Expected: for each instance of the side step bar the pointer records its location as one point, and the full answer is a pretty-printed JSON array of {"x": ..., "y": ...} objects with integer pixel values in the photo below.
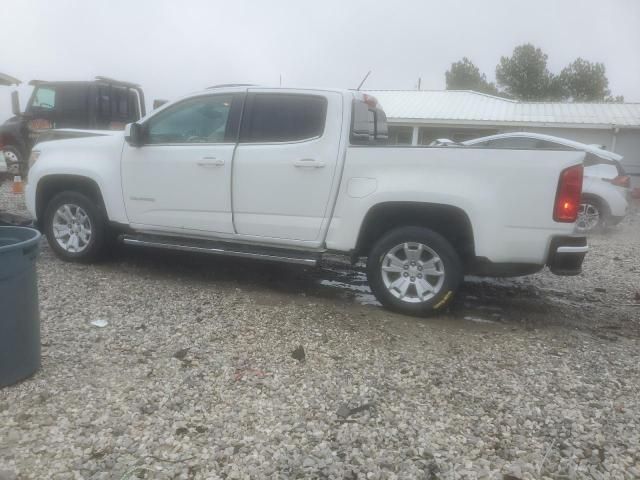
[{"x": 223, "y": 248}]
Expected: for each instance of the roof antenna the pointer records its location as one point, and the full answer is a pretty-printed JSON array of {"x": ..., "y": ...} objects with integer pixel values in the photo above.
[
  {"x": 280, "y": 80},
  {"x": 364, "y": 80}
]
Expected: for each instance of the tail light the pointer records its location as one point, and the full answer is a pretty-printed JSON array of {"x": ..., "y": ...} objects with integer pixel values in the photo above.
[
  {"x": 568, "y": 195},
  {"x": 620, "y": 181}
]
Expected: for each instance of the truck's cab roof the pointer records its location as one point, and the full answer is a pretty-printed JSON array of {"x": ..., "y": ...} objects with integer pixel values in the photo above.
[
  {"x": 243, "y": 87},
  {"x": 246, "y": 87},
  {"x": 108, "y": 80}
]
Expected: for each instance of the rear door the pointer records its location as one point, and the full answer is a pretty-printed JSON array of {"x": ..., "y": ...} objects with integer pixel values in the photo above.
[{"x": 285, "y": 163}]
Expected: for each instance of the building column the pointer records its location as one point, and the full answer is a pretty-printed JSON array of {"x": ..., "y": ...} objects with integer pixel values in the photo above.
[{"x": 414, "y": 136}]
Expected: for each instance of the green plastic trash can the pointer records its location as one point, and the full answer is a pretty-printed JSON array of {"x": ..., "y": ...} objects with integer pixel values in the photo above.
[{"x": 19, "y": 312}]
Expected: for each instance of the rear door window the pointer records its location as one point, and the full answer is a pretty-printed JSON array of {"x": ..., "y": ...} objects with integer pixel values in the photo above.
[
  {"x": 283, "y": 118},
  {"x": 71, "y": 107},
  {"x": 116, "y": 106}
]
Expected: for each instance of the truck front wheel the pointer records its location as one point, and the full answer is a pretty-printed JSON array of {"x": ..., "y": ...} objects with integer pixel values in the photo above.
[
  {"x": 414, "y": 270},
  {"x": 75, "y": 227},
  {"x": 13, "y": 158}
]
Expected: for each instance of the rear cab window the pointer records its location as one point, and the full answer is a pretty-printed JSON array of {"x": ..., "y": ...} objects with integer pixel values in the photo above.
[{"x": 283, "y": 117}]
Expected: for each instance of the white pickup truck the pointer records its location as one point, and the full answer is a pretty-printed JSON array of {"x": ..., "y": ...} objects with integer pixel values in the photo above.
[{"x": 302, "y": 175}]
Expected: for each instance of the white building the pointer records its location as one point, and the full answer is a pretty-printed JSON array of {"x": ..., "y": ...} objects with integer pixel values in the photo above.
[{"x": 419, "y": 117}]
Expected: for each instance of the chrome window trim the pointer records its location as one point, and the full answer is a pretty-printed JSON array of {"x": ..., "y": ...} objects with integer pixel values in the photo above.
[
  {"x": 186, "y": 144},
  {"x": 292, "y": 142}
]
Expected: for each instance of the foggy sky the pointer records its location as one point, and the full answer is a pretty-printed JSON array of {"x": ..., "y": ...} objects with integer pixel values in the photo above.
[{"x": 175, "y": 47}]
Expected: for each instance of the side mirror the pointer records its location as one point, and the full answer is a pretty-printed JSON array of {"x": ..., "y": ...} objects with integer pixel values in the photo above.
[
  {"x": 15, "y": 103},
  {"x": 134, "y": 135},
  {"x": 158, "y": 102}
]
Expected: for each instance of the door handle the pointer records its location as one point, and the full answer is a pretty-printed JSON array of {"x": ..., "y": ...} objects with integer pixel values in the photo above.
[
  {"x": 208, "y": 162},
  {"x": 308, "y": 163}
]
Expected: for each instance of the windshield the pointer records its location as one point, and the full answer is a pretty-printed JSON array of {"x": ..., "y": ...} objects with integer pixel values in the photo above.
[
  {"x": 43, "y": 98},
  {"x": 65, "y": 105}
]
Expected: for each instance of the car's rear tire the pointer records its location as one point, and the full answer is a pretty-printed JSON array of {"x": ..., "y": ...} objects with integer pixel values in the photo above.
[
  {"x": 76, "y": 227},
  {"x": 592, "y": 215},
  {"x": 414, "y": 270}
]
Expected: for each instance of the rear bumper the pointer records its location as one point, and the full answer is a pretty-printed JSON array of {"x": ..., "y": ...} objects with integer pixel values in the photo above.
[{"x": 566, "y": 254}]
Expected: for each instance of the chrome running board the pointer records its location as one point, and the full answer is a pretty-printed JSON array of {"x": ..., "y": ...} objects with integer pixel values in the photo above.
[{"x": 222, "y": 248}]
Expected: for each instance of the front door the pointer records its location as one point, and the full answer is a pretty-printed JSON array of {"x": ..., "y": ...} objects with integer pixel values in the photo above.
[
  {"x": 285, "y": 164},
  {"x": 180, "y": 178}
]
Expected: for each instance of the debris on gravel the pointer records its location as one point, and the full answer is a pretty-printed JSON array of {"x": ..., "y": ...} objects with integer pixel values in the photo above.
[
  {"x": 197, "y": 374},
  {"x": 299, "y": 354}
]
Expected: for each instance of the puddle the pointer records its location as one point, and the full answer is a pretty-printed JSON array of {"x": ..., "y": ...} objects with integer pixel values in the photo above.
[{"x": 480, "y": 300}]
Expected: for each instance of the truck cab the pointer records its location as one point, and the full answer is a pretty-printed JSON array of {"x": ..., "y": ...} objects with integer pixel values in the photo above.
[{"x": 102, "y": 104}]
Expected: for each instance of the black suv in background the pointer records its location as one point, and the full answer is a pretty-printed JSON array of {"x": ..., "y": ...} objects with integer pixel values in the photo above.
[{"x": 102, "y": 104}]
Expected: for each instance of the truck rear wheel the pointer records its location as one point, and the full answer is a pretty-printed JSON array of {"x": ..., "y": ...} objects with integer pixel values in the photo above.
[
  {"x": 414, "y": 270},
  {"x": 75, "y": 227}
]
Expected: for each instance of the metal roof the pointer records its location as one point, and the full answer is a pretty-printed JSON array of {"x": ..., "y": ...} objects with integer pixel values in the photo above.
[{"x": 473, "y": 108}]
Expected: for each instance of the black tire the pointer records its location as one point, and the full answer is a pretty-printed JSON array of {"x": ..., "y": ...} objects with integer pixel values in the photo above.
[
  {"x": 13, "y": 157},
  {"x": 99, "y": 239},
  {"x": 450, "y": 264}
]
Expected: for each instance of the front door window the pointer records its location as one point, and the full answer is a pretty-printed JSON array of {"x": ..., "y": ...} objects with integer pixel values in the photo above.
[{"x": 198, "y": 120}]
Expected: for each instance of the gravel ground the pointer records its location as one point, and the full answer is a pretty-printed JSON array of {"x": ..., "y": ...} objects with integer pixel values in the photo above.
[{"x": 213, "y": 368}]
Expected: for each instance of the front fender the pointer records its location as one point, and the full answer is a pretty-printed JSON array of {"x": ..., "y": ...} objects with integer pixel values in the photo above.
[{"x": 94, "y": 158}]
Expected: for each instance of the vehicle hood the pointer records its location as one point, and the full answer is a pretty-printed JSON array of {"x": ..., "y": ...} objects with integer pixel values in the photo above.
[
  {"x": 78, "y": 140},
  {"x": 73, "y": 133},
  {"x": 10, "y": 122}
]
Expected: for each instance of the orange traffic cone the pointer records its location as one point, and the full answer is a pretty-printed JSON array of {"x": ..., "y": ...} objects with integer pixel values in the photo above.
[{"x": 18, "y": 186}]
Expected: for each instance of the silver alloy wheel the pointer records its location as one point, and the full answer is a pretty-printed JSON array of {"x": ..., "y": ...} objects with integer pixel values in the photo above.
[
  {"x": 71, "y": 228},
  {"x": 588, "y": 217},
  {"x": 13, "y": 162},
  {"x": 412, "y": 272}
]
